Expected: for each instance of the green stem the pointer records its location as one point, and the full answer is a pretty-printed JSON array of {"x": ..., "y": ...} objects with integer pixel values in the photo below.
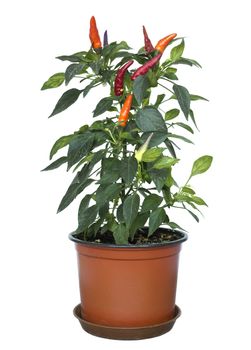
[{"x": 165, "y": 88}]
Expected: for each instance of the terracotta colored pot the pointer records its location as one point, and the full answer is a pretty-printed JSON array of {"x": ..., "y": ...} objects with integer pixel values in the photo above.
[{"x": 127, "y": 287}]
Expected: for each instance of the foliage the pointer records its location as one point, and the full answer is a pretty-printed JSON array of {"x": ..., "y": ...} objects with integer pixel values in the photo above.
[{"x": 130, "y": 167}]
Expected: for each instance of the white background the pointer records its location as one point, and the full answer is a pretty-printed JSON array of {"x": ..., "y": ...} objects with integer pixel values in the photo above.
[{"x": 39, "y": 285}]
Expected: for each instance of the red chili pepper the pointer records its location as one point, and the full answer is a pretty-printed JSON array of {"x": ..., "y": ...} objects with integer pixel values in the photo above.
[
  {"x": 119, "y": 80},
  {"x": 94, "y": 35},
  {"x": 125, "y": 110},
  {"x": 148, "y": 45},
  {"x": 145, "y": 68},
  {"x": 162, "y": 43}
]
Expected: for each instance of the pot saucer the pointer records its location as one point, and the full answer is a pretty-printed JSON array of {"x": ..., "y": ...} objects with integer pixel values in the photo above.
[{"x": 126, "y": 333}]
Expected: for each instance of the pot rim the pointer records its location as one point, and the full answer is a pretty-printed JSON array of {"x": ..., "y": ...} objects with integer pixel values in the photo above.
[{"x": 72, "y": 237}]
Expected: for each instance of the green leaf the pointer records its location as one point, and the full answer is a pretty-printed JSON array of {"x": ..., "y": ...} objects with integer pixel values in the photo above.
[
  {"x": 159, "y": 99},
  {"x": 159, "y": 177},
  {"x": 103, "y": 106},
  {"x": 138, "y": 223},
  {"x": 151, "y": 202},
  {"x": 177, "y": 51},
  {"x": 173, "y": 225},
  {"x": 150, "y": 119},
  {"x": 79, "y": 147},
  {"x": 72, "y": 70},
  {"x": 187, "y": 189},
  {"x": 179, "y": 137},
  {"x": 156, "y": 140},
  {"x": 183, "y": 98},
  {"x": 90, "y": 86},
  {"x": 87, "y": 218},
  {"x": 140, "y": 85},
  {"x": 119, "y": 215},
  {"x": 191, "y": 115},
  {"x": 152, "y": 154},
  {"x": 72, "y": 192},
  {"x": 170, "y": 148},
  {"x": 130, "y": 208},
  {"x": 185, "y": 126},
  {"x": 157, "y": 217},
  {"x": 187, "y": 61},
  {"x": 197, "y": 97},
  {"x": 105, "y": 193},
  {"x": 121, "y": 234},
  {"x": 201, "y": 165},
  {"x": 77, "y": 57},
  {"x": 57, "y": 163},
  {"x": 198, "y": 200},
  {"x": 66, "y": 100},
  {"x": 54, "y": 81},
  {"x": 173, "y": 113},
  {"x": 193, "y": 215},
  {"x": 60, "y": 143},
  {"x": 165, "y": 162},
  {"x": 84, "y": 204},
  {"x": 128, "y": 169},
  {"x": 110, "y": 170}
]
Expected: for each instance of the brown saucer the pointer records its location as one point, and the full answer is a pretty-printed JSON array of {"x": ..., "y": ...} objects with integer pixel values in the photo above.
[{"x": 126, "y": 333}]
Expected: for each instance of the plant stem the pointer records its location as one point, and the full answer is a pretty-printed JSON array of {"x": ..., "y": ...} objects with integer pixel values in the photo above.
[{"x": 166, "y": 88}]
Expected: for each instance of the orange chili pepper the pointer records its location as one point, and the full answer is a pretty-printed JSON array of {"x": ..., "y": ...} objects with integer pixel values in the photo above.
[
  {"x": 162, "y": 43},
  {"x": 125, "y": 110},
  {"x": 94, "y": 35}
]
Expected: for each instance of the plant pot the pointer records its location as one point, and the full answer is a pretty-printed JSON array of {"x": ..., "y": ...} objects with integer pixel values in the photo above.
[{"x": 127, "y": 292}]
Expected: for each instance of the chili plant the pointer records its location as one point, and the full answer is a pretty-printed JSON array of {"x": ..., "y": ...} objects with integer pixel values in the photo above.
[{"x": 128, "y": 153}]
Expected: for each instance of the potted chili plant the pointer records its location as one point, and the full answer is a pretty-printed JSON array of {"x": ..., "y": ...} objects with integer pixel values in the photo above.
[{"x": 127, "y": 243}]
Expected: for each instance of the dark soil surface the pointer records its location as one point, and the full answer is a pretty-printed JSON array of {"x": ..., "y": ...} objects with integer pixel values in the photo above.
[{"x": 162, "y": 235}]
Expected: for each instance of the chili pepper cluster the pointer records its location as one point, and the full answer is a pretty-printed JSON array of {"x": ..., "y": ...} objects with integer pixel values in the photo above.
[{"x": 142, "y": 70}]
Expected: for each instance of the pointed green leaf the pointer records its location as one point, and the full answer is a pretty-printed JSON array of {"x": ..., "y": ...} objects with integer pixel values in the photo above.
[
  {"x": 187, "y": 189},
  {"x": 157, "y": 217},
  {"x": 57, "y": 163},
  {"x": 151, "y": 202},
  {"x": 79, "y": 147},
  {"x": 150, "y": 119},
  {"x": 159, "y": 99},
  {"x": 152, "y": 154},
  {"x": 54, "y": 81},
  {"x": 173, "y": 113},
  {"x": 130, "y": 209},
  {"x": 128, "y": 169},
  {"x": 84, "y": 204},
  {"x": 197, "y": 97},
  {"x": 138, "y": 223},
  {"x": 66, "y": 100},
  {"x": 186, "y": 127},
  {"x": 60, "y": 143},
  {"x": 140, "y": 85},
  {"x": 165, "y": 162},
  {"x": 159, "y": 177},
  {"x": 106, "y": 193},
  {"x": 103, "y": 106},
  {"x": 72, "y": 192},
  {"x": 87, "y": 218},
  {"x": 201, "y": 165},
  {"x": 177, "y": 51},
  {"x": 72, "y": 70},
  {"x": 179, "y": 137},
  {"x": 183, "y": 98},
  {"x": 121, "y": 234}
]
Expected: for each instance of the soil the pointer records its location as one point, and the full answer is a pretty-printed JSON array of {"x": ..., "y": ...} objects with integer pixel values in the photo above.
[{"x": 162, "y": 235}]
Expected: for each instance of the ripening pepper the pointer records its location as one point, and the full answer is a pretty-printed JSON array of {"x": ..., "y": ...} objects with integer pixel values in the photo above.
[
  {"x": 162, "y": 43},
  {"x": 119, "y": 80},
  {"x": 145, "y": 68},
  {"x": 140, "y": 152},
  {"x": 125, "y": 110},
  {"x": 148, "y": 45},
  {"x": 105, "y": 39},
  {"x": 94, "y": 34}
]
